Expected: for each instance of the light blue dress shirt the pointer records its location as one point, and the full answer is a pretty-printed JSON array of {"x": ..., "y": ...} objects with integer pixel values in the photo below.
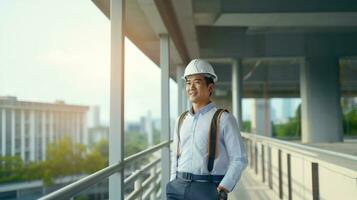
[{"x": 231, "y": 159}]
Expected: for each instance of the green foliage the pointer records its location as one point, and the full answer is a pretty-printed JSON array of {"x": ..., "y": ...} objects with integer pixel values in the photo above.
[
  {"x": 11, "y": 168},
  {"x": 291, "y": 129},
  {"x": 93, "y": 162},
  {"x": 134, "y": 143},
  {"x": 157, "y": 136},
  {"x": 64, "y": 158},
  {"x": 350, "y": 122},
  {"x": 246, "y": 126}
]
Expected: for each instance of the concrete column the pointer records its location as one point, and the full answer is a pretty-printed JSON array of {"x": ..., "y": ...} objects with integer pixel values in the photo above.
[
  {"x": 43, "y": 134},
  {"x": 23, "y": 135},
  {"x": 180, "y": 88},
  {"x": 321, "y": 115},
  {"x": 32, "y": 135},
  {"x": 165, "y": 111},
  {"x": 261, "y": 118},
  {"x": 13, "y": 132},
  {"x": 3, "y": 132},
  {"x": 116, "y": 126},
  {"x": 237, "y": 91}
]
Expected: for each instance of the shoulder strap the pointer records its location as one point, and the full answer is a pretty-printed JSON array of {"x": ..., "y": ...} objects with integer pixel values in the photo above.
[
  {"x": 213, "y": 138},
  {"x": 181, "y": 118}
]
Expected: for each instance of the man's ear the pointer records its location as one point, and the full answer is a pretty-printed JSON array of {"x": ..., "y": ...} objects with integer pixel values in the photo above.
[{"x": 211, "y": 87}]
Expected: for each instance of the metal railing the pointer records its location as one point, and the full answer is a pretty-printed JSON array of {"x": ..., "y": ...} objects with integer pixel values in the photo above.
[
  {"x": 152, "y": 182},
  {"x": 297, "y": 171}
]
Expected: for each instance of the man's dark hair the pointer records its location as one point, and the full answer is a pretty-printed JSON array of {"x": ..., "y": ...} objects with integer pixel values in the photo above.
[{"x": 209, "y": 80}]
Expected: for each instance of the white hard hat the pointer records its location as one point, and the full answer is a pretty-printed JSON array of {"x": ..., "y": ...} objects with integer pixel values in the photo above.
[{"x": 199, "y": 66}]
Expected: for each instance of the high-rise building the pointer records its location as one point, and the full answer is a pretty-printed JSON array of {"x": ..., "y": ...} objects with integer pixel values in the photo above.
[
  {"x": 94, "y": 117},
  {"x": 27, "y": 127}
]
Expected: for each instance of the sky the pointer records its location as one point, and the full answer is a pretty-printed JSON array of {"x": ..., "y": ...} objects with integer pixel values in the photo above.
[{"x": 60, "y": 50}]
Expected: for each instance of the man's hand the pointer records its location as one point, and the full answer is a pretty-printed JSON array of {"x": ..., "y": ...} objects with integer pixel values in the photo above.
[
  {"x": 220, "y": 188},
  {"x": 222, "y": 192}
]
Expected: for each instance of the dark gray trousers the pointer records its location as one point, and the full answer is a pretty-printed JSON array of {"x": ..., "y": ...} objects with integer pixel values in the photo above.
[{"x": 180, "y": 189}]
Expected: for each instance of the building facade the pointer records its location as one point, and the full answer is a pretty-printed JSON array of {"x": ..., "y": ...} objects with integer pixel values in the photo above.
[{"x": 26, "y": 128}]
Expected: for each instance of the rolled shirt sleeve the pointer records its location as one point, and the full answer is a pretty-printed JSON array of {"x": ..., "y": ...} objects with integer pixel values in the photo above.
[{"x": 236, "y": 153}]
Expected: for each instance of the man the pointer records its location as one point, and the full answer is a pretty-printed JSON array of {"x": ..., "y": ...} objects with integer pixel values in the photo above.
[{"x": 195, "y": 175}]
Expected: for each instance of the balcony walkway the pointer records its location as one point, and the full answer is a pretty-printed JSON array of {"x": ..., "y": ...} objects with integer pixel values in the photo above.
[{"x": 251, "y": 188}]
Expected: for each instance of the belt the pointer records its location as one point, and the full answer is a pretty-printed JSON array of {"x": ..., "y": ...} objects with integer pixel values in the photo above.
[{"x": 194, "y": 177}]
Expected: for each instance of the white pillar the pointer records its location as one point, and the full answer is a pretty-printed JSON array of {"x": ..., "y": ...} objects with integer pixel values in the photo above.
[
  {"x": 237, "y": 91},
  {"x": 32, "y": 135},
  {"x": 3, "y": 132},
  {"x": 116, "y": 129},
  {"x": 165, "y": 111},
  {"x": 261, "y": 118},
  {"x": 51, "y": 125},
  {"x": 180, "y": 88},
  {"x": 43, "y": 134},
  {"x": 12, "y": 132},
  {"x": 321, "y": 115},
  {"x": 23, "y": 135}
]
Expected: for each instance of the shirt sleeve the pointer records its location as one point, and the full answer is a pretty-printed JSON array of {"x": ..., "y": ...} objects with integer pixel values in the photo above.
[
  {"x": 174, "y": 153},
  {"x": 236, "y": 152}
]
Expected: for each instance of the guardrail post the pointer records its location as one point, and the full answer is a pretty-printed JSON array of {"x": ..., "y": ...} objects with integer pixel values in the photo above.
[
  {"x": 153, "y": 184},
  {"x": 137, "y": 186},
  {"x": 315, "y": 181},
  {"x": 270, "y": 173},
  {"x": 250, "y": 154},
  {"x": 263, "y": 163},
  {"x": 289, "y": 176},
  {"x": 280, "y": 175},
  {"x": 256, "y": 158}
]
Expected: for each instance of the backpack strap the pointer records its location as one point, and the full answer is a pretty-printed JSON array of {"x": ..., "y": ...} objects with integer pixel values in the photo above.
[
  {"x": 213, "y": 138},
  {"x": 181, "y": 118}
]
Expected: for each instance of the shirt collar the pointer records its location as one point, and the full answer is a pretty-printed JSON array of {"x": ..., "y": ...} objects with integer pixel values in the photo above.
[{"x": 203, "y": 110}]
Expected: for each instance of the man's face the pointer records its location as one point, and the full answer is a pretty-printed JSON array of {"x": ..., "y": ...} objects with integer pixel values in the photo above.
[{"x": 197, "y": 89}]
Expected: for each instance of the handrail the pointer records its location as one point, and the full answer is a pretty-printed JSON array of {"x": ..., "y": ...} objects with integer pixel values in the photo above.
[
  {"x": 284, "y": 163},
  {"x": 146, "y": 152},
  {"x": 299, "y": 147},
  {"x": 133, "y": 176},
  {"x": 84, "y": 183}
]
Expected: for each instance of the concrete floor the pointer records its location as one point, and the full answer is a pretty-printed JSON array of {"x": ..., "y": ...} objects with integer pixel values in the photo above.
[
  {"x": 349, "y": 146},
  {"x": 251, "y": 188}
]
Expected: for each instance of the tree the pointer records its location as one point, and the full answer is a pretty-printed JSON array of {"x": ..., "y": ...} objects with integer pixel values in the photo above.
[
  {"x": 291, "y": 129},
  {"x": 63, "y": 158}
]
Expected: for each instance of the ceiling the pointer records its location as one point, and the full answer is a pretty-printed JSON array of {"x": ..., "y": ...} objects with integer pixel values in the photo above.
[{"x": 270, "y": 38}]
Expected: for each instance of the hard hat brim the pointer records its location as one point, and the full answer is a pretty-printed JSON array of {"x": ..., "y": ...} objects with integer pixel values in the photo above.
[{"x": 215, "y": 79}]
